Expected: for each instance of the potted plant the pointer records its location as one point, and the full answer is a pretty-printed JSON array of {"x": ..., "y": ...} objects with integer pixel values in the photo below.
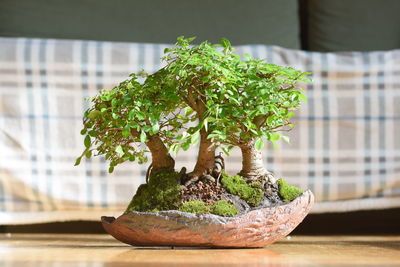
[{"x": 205, "y": 95}]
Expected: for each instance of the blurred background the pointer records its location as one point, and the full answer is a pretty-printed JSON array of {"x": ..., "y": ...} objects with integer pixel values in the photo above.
[{"x": 345, "y": 147}]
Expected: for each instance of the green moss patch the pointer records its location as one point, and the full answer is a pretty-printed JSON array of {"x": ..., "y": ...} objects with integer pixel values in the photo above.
[
  {"x": 236, "y": 185},
  {"x": 288, "y": 192},
  {"x": 221, "y": 208},
  {"x": 224, "y": 208},
  {"x": 195, "y": 206},
  {"x": 161, "y": 193}
]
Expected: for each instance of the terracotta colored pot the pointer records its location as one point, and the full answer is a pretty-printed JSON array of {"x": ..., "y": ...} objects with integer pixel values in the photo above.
[{"x": 256, "y": 228}]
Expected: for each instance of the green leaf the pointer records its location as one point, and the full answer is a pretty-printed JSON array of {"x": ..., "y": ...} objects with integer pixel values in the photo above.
[
  {"x": 114, "y": 102},
  {"x": 93, "y": 133},
  {"x": 131, "y": 114},
  {"x": 174, "y": 148},
  {"x": 286, "y": 138},
  {"x": 194, "y": 139},
  {"x": 275, "y": 137},
  {"x": 225, "y": 42},
  {"x": 83, "y": 131},
  {"x": 106, "y": 97},
  {"x": 259, "y": 144},
  {"x": 94, "y": 114},
  {"x": 126, "y": 132},
  {"x": 206, "y": 125},
  {"x": 181, "y": 136},
  {"x": 129, "y": 85},
  {"x": 119, "y": 150},
  {"x": 185, "y": 146},
  {"x": 88, "y": 154},
  {"x": 188, "y": 111},
  {"x": 290, "y": 114},
  {"x": 87, "y": 141},
  {"x": 78, "y": 161},
  {"x": 140, "y": 115},
  {"x": 155, "y": 127},
  {"x": 275, "y": 144},
  {"x": 225, "y": 150},
  {"x": 271, "y": 119},
  {"x": 110, "y": 170},
  {"x": 303, "y": 97},
  {"x": 232, "y": 99},
  {"x": 143, "y": 137}
]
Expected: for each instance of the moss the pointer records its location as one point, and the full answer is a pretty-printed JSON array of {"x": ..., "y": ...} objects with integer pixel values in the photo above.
[
  {"x": 256, "y": 185},
  {"x": 224, "y": 208},
  {"x": 288, "y": 192},
  {"x": 221, "y": 207},
  {"x": 195, "y": 206},
  {"x": 161, "y": 193},
  {"x": 154, "y": 210},
  {"x": 236, "y": 185}
]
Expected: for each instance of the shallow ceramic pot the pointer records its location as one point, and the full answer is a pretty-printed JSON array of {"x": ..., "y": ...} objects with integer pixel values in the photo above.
[{"x": 256, "y": 228}]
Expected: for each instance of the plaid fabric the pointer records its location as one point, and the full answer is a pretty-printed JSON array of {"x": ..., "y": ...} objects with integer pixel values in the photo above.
[{"x": 345, "y": 147}]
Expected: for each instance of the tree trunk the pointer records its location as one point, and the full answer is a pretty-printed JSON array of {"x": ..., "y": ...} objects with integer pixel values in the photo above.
[
  {"x": 160, "y": 156},
  {"x": 206, "y": 156},
  {"x": 252, "y": 161}
]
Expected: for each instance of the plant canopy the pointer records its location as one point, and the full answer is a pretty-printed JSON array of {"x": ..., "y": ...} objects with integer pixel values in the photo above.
[{"x": 205, "y": 94}]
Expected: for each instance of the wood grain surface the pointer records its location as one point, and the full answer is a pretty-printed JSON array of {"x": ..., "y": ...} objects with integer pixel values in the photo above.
[{"x": 103, "y": 250}]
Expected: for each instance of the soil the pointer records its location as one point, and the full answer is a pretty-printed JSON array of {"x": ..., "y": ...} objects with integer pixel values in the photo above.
[{"x": 207, "y": 191}]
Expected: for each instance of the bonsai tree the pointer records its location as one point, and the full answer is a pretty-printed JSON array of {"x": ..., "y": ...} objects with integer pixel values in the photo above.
[{"x": 206, "y": 95}]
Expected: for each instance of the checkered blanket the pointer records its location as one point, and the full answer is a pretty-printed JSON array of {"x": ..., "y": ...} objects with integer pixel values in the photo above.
[{"x": 345, "y": 147}]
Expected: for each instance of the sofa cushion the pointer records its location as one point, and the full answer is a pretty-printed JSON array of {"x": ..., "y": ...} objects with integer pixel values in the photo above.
[
  {"x": 272, "y": 22},
  {"x": 356, "y": 25},
  {"x": 345, "y": 145}
]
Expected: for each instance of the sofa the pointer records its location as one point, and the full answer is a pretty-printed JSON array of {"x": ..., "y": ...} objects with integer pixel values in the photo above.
[{"x": 54, "y": 54}]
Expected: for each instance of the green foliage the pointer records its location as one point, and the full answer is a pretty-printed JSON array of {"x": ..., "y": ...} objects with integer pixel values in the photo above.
[
  {"x": 240, "y": 99},
  {"x": 224, "y": 208},
  {"x": 236, "y": 185},
  {"x": 233, "y": 99},
  {"x": 161, "y": 193},
  {"x": 195, "y": 206},
  {"x": 288, "y": 192},
  {"x": 122, "y": 118}
]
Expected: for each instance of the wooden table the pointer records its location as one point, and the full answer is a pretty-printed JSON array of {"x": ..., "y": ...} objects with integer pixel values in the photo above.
[{"x": 102, "y": 250}]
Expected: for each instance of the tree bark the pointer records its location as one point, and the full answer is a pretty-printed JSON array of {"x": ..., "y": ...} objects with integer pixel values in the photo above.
[
  {"x": 206, "y": 156},
  {"x": 252, "y": 161},
  {"x": 160, "y": 157}
]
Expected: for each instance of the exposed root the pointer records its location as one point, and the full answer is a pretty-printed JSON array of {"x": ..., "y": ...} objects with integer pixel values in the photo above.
[
  {"x": 264, "y": 178},
  {"x": 182, "y": 175},
  {"x": 271, "y": 178},
  {"x": 208, "y": 178},
  {"x": 192, "y": 179},
  {"x": 148, "y": 172},
  {"x": 219, "y": 160},
  {"x": 213, "y": 174}
]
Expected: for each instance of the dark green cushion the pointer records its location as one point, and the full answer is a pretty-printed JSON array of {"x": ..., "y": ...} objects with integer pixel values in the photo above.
[
  {"x": 353, "y": 25},
  {"x": 160, "y": 21}
]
